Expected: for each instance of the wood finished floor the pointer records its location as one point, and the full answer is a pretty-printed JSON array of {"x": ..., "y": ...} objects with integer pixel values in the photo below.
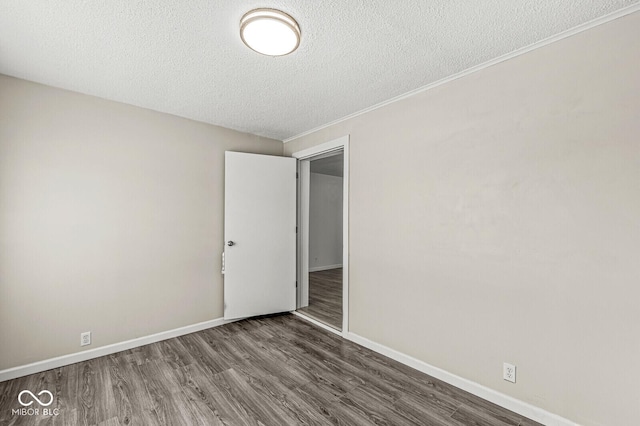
[
  {"x": 276, "y": 370},
  {"x": 325, "y": 297}
]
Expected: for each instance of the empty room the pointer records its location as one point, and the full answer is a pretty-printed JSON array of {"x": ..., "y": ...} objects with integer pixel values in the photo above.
[{"x": 320, "y": 213}]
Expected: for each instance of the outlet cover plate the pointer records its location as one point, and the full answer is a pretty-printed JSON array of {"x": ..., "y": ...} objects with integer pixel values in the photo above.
[
  {"x": 509, "y": 372},
  {"x": 85, "y": 338}
]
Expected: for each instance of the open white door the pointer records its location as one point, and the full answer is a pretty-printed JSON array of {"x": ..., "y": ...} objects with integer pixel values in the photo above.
[{"x": 260, "y": 235}]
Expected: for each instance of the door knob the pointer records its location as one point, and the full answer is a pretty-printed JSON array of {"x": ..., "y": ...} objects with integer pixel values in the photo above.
[{"x": 230, "y": 243}]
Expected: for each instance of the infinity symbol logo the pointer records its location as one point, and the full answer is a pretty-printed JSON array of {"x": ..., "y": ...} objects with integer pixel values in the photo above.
[{"x": 35, "y": 397}]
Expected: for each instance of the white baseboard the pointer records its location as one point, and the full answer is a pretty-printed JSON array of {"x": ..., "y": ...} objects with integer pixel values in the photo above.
[
  {"x": 61, "y": 361},
  {"x": 530, "y": 411},
  {"x": 325, "y": 268}
]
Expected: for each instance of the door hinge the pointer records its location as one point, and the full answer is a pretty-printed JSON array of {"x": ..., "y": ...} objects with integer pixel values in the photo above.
[
  {"x": 296, "y": 175},
  {"x": 296, "y": 229},
  {"x": 296, "y": 284}
]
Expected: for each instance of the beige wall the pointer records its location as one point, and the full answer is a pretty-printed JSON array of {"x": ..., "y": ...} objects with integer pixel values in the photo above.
[
  {"x": 497, "y": 218},
  {"x": 111, "y": 220},
  {"x": 325, "y": 221}
]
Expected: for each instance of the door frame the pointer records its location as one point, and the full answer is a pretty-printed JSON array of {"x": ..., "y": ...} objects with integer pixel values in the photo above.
[{"x": 341, "y": 143}]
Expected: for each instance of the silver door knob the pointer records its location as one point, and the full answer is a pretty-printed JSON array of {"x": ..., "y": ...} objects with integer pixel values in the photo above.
[{"x": 230, "y": 243}]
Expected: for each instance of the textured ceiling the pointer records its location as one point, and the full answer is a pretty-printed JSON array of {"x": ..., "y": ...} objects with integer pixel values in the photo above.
[{"x": 186, "y": 57}]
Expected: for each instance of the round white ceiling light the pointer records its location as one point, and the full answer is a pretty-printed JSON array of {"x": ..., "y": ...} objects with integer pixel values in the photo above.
[{"x": 270, "y": 32}]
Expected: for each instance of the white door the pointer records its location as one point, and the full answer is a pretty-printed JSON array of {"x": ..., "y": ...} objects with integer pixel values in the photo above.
[{"x": 260, "y": 235}]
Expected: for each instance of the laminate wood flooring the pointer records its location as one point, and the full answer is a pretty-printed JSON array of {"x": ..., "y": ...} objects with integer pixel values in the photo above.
[
  {"x": 325, "y": 297},
  {"x": 277, "y": 370}
]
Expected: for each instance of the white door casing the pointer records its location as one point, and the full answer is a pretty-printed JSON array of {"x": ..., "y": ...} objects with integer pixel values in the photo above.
[
  {"x": 260, "y": 235},
  {"x": 303, "y": 223}
]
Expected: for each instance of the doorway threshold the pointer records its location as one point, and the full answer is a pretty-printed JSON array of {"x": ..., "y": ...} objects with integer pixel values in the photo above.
[{"x": 318, "y": 323}]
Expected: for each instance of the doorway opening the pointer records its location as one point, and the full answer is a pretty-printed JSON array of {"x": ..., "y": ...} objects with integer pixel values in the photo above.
[
  {"x": 325, "y": 240},
  {"x": 322, "y": 241}
]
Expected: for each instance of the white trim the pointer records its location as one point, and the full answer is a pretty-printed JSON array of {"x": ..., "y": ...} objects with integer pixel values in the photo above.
[
  {"x": 333, "y": 145},
  {"x": 304, "y": 182},
  {"x": 317, "y": 323},
  {"x": 567, "y": 33},
  {"x": 325, "y": 268},
  {"x": 530, "y": 411},
  {"x": 345, "y": 236},
  {"x": 61, "y": 361}
]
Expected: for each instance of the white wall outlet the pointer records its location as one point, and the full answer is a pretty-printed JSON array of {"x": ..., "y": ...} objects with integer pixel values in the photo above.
[
  {"x": 509, "y": 372},
  {"x": 85, "y": 338}
]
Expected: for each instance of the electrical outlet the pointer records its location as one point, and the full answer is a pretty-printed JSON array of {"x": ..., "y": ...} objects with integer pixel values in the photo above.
[
  {"x": 85, "y": 338},
  {"x": 509, "y": 372}
]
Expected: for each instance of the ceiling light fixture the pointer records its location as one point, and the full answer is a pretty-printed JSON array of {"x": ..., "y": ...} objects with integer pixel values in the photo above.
[{"x": 270, "y": 32}]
